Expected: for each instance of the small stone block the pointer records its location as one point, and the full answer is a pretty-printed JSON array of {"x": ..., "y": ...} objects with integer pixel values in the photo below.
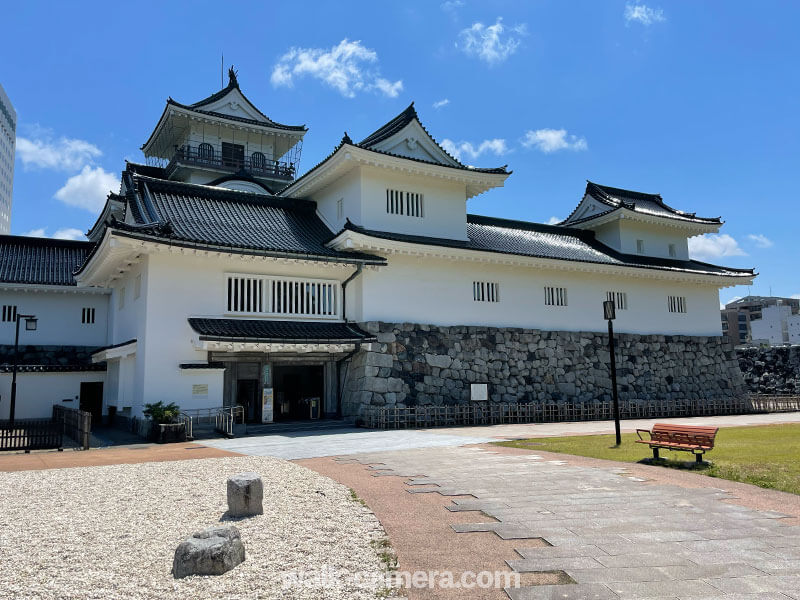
[{"x": 245, "y": 495}]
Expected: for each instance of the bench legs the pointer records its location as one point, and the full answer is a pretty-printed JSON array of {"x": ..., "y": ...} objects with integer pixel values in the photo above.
[
  {"x": 655, "y": 453},
  {"x": 698, "y": 457}
]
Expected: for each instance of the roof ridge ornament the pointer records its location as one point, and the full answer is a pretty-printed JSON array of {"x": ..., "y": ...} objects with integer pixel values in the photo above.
[
  {"x": 233, "y": 80},
  {"x": 346, "y": 139}
]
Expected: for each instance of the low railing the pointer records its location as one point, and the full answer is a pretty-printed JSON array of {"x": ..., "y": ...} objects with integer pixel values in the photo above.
[
  {"x": 776, "y": 402},
  {"x": 257, "y": 166},
  {"x": 227, "y": 417},
  {"x": 491, "y": 413},
  {"x": 187, "y": 421},
  {"x": 31, "y": 434},
  {"x": 75, "y": 424}
]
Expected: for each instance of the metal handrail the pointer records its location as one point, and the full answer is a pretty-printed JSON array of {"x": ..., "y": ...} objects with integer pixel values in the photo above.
[
  {"x": 258, "y": 166},
  {"x": 187, "y": 419}
]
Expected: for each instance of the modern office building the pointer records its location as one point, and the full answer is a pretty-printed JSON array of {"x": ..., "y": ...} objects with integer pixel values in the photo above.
[
  {"x": 738, "y": 315},
  {"x": 8, "y": 139}
]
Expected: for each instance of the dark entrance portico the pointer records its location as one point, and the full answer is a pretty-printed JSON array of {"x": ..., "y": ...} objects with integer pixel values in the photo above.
[{"x": 280, "y": 370}]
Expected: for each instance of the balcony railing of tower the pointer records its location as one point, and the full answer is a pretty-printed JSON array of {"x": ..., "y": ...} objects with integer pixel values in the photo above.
[{"x": 257, "y": 163}]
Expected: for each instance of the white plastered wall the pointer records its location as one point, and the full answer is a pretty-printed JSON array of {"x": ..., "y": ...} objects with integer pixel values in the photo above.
[
  {"x": 439, "y": 292},
  {"x": 38, "y": 392},
  {"x": 623, "y": 234}
]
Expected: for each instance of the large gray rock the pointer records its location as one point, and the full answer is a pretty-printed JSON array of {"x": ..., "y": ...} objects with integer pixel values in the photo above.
[
  {"x": 245, "y": 494},
  {"x": 213, "y": 551}
]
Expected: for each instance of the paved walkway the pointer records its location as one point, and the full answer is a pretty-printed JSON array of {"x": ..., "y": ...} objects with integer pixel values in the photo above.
[
  {"x": 614, "y": 535},
  {"x": 341, "y": 441}
]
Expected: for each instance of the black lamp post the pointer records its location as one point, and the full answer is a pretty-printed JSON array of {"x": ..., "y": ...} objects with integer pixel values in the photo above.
[
  {"x": 610, "y": 313},
  {"x": 30, "y": 325}
]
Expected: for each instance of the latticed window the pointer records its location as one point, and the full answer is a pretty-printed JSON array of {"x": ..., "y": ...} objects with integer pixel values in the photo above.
[
  {"x": 485, "y": 291},
  {"x": 284, "y": 296},
  {"x": 87, "y": 316},
  {"x": 676, "y": 304},
  {"x": 9, "y": 312},
  {"x": 555, "y": 296},
  {"x": 205, "y": 151},
  {"x": 620, "y": 299},
  {"x": 258, "y": 161},
  {"x": 404, "y": 203}
]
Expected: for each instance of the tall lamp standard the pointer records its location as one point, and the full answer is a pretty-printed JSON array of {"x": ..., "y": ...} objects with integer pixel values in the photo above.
[
  {"x": 609, "y": 313},
  {"x": 30, "y": 325}
]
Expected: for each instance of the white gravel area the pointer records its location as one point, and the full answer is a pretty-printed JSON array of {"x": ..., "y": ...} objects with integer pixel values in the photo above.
[{"x": 111, "y": 532}]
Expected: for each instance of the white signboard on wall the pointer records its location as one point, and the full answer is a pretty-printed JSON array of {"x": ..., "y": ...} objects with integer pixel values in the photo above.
[
  {"x": 267, "y": 405},
  {"x": 479, "y": 392}
]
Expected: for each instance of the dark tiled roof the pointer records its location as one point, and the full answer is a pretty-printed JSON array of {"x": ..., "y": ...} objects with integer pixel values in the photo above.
[
  {"x": 651, "y": 204},
  {"x": 521, "y": 238},
  {"x": 40, "y": 261},
  {"x": 265, "y": 331},
  {"x": 397, "y": 124},
  {"x": 35, "y": 359},
  {"x": 199, "y": 215}
]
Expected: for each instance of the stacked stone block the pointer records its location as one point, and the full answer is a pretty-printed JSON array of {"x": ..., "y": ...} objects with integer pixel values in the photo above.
[{"x": 417, "y": 364}]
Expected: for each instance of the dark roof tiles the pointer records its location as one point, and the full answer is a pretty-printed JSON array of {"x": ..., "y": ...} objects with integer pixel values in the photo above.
[
  {"x": 265, "y": 331},
  {"x": 40, "y": 261}
]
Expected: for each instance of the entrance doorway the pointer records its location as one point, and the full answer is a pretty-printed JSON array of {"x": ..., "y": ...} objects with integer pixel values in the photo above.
[
  {"x": 299, "y": 392},
  {"x": 91, "y": 400},
  {"x": 247, "y": 396}
]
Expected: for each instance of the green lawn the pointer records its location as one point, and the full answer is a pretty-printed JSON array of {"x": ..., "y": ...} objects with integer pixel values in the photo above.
[{"x": 767, "y": 456}]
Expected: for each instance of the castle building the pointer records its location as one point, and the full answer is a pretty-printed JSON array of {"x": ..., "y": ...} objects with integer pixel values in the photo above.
[{"x": 221, "y": 278}]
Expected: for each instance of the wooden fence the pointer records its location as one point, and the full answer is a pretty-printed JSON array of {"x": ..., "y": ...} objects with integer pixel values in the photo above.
[
  {"x": 30, "y": 434},
  {"x": 75, "y": 424},
  {"x": 489, "y": 413}
]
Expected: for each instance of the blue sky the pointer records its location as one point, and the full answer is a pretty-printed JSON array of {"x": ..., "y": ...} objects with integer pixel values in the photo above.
[{"x": 693, "y": 100}]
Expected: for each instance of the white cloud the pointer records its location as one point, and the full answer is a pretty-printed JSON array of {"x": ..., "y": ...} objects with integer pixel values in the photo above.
[
  {"x": 441, "y": 103},
  {"x": 63, "y": 153},
  {"x": 797, "y": 296},
  {"x": 495, "y": 146},
  {"x": 554, "y": 221},
  {"x": 643, "y": 14},
  {"x": 88, "y": 189},
  {"x": 492, "y": 44},
  {"x": 451, "y": 5},
  {"x": 553, "y": 140},
  {"x": 68, "y": 233},
  {"x": 760, "y": 240},
  {"x": 712, "y": 246},
  {"x": 734, "y": 299},
  {"x": 348, "y": 67}
]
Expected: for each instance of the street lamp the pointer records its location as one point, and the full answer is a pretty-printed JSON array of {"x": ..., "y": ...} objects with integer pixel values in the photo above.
[
  {"x": 609, "y": 313},
  {"x": 30, "y": 325}
]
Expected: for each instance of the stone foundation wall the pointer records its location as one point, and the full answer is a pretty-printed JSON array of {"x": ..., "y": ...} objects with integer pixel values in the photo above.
[
  {"x": 771, "y": 370},
  {"x": 413, "y": 364}
]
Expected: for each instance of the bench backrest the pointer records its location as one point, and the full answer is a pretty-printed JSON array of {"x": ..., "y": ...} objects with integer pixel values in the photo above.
[{"x": 693, "y": 435}]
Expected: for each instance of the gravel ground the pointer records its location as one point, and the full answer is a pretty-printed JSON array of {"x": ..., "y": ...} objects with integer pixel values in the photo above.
[{"x": 111, "y": 532}]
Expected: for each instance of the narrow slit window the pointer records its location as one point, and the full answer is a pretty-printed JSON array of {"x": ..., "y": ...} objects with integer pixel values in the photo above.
[
  {"x": 485, "y": 291},
  {"x": 9, "y": 313},
  {"x": 87, "y": 316},
  {"x": 555, "y": 296},
  {"x": 676, "y": 304},
  {"x": 408, "y": 204}
]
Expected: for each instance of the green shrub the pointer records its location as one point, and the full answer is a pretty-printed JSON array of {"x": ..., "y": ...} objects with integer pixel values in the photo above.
[{"x": 162, "y": 413}]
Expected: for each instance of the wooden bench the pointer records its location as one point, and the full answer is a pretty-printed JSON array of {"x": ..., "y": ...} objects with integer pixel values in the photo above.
[{"x": 688, "y": 438}]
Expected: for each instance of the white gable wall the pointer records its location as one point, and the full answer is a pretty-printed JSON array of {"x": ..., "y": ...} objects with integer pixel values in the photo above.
[
  {"x": 439, "y": 292},
  {"x": 623, "y": 234}
]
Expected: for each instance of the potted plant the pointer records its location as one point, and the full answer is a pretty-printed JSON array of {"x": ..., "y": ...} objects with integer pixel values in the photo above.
[{"x": 166, "y": 424}]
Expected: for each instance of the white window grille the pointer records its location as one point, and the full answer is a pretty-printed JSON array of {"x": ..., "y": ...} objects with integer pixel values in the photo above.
[
  {"x": 340, "y": 209},
  {"x": 672, "y": 251},
  {"x": 404, "y": 203},
  {"x": 555, "y": 296},
  {"x": 640, "y": 246},
  {"x": 283, "y": 296},
  {"x": 485, "y": 291},
  {"x": 620, "y": 299},
  {"x": 121, "y": 299},
  {"x": 676, "y": 304},
  {"x": 87, "y": 316},
  {"x": 9, "y": 313}
]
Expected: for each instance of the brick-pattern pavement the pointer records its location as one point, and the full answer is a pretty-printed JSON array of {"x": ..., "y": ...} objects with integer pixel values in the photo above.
[{"x": 615, "y": 535}]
